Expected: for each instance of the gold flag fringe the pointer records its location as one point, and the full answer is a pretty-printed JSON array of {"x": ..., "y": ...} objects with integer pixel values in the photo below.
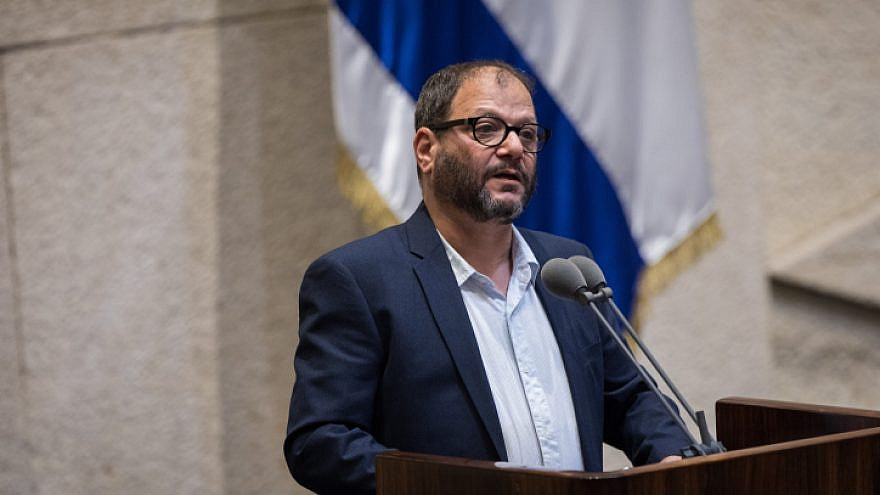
[
  {"x": 657, "y": 277},
  {"x": 359, "y": 190}
]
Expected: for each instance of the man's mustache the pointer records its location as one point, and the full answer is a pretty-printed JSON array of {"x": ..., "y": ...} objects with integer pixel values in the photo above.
[{"x": 515, "y": 169}]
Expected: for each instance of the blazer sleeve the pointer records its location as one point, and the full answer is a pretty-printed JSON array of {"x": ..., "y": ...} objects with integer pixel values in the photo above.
[{"x": 338, "y": 363}]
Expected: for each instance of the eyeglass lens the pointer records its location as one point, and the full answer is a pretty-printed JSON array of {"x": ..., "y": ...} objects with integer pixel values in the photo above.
[{"x": 491, "y": 131}]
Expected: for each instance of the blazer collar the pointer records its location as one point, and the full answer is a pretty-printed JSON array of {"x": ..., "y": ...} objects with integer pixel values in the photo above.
[{"x": 421, "y": 234}]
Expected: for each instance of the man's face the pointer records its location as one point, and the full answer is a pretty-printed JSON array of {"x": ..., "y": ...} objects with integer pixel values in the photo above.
[{"x": 487, "y": 183}]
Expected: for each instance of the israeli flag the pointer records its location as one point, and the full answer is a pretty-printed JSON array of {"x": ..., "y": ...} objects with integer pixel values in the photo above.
[{"x": 626, "y": 170}]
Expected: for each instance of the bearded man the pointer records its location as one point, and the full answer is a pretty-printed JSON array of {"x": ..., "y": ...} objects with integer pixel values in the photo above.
[{"x": 437, "y": 335}]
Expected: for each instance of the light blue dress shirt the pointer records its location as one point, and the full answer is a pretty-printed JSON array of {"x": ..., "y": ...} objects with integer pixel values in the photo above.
[{"x": 522, "y": 362}]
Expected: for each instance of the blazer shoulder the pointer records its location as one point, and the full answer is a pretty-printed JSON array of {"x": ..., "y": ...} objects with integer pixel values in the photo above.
[{"x": 382, "y": 249}]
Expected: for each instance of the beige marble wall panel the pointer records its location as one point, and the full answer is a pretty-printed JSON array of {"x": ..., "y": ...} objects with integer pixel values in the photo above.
[
  {"x": 27, "y": 21},
  {"x": 279, "y": 208},
  {"x": 241, "y": 7},
  {"x": 14, "y": 449},
  {"x": 843, "y": 263},
  {"x": 113, "y": 149},
  {"x": 820, "y": 71},
  {"x": 825, "y": 351}
]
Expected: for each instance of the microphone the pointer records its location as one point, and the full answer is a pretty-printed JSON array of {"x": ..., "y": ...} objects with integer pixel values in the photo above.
[
  {"x": 558, "y": 275},
  {"x": 589, "y": 270},
  {"x": 565, "y": 280},
  {"x": 580, "y": 278}
]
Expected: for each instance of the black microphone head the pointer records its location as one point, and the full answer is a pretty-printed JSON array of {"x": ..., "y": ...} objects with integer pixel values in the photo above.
[
  {"x": 562, "y": 278},
  {"x": 591, "y": 272}
]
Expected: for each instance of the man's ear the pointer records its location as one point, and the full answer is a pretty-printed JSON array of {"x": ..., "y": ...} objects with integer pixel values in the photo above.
[{"x": 425, "y": 145}]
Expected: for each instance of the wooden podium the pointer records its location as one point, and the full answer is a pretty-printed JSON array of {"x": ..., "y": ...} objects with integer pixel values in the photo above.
[{"x": 773, "y": 448}]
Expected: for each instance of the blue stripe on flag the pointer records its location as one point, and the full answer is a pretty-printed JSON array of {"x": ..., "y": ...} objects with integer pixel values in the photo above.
[{"x": 575, "y": 199}]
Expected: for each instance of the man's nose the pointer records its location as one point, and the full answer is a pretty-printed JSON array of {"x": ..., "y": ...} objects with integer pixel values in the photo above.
[{"x": 511, "y": 145}]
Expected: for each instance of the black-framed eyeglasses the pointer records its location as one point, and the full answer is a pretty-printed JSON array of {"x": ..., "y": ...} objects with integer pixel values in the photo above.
[{"x": 492, "y": 131}]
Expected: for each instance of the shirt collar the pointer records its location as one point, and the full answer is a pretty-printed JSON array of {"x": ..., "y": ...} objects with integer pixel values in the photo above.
[{"x": 523, "y": 259}]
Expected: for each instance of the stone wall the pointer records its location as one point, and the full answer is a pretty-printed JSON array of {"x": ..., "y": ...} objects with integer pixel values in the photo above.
[{"x": 167, "y": 175}]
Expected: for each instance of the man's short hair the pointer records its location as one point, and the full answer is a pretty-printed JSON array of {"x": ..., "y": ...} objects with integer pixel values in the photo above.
[{"x": 435, "y": 99}]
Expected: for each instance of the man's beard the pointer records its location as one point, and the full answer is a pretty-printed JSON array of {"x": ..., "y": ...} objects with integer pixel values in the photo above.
[{"x": 465, "y": 188}]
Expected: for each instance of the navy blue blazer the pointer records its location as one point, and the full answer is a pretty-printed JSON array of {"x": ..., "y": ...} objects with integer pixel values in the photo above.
[{"x": 387, "y": 359}]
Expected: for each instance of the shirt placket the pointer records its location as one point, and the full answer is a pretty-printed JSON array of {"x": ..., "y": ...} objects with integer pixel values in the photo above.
[{"x": 536, "y": 396}]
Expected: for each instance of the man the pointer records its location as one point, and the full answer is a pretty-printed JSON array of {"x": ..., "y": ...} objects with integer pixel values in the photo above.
[{"x": 437, "y": 336}]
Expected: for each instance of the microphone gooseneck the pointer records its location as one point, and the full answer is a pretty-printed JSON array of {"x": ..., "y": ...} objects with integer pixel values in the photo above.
[{"x": 579, "y": 278}]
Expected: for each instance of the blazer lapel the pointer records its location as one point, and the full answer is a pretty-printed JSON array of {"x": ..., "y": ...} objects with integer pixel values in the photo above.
[{"x": 444, "y": 298}]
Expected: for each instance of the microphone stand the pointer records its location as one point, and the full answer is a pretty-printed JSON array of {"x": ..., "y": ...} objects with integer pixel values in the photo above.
[{"x": 707, "y": 445}]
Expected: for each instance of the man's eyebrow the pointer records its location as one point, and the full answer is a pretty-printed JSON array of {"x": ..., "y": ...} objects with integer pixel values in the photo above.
[{"x": 528, "y": 119}]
